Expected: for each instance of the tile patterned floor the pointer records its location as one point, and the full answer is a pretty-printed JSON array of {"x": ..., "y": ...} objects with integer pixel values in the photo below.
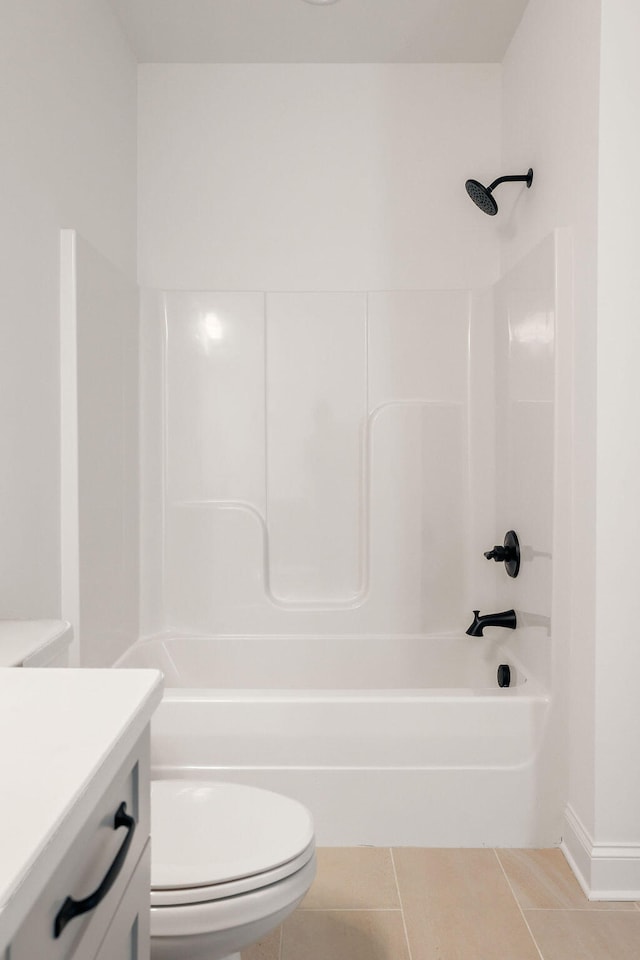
[{"x": 373, "y": 903}]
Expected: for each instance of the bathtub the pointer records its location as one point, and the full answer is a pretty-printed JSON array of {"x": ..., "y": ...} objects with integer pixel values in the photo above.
[{"x": 403, "y": 741}]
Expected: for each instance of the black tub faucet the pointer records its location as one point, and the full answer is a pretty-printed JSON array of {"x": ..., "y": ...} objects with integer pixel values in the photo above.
[{"x": 505, "y": 619}]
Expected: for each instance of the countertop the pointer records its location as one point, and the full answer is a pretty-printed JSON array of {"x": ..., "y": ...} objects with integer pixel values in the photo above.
[
  {"x": 63, "y": 735},
  {"x": 20, "y": 639}
]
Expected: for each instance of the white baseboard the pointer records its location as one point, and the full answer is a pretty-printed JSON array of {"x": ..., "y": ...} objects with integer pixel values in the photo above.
[{"x": 604, "y": 871}]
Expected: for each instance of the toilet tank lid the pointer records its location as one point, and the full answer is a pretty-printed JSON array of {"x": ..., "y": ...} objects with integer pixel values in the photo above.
[{"x": 204, "y": 832}]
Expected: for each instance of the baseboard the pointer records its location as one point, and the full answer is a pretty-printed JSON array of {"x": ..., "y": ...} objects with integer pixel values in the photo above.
[{"x": 604, "y": 871}]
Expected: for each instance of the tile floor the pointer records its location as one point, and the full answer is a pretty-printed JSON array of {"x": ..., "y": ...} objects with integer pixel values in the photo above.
[{"x": 373, "y": 903}]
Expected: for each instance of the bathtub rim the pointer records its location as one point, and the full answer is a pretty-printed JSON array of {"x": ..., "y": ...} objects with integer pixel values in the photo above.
[
  {"x": 528, "y": 686},
  {"x": 529, "y": 690}
]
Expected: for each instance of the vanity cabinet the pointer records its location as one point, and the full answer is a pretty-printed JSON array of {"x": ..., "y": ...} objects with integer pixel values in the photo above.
[
  {"x": 55, "y": 934},
  {"x": 84, "y": 895},
  {"x": 127, "y": 937}
]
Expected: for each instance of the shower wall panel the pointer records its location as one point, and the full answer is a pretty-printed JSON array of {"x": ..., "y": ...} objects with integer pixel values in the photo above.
[
  {"x": 316, "y": 401},
  {"x": 525, "y": 305},
  {"x": 215, "y": 398},
  {"x": 315, "y": 457},
  {"x": 418, "y": 517},
  {"x": 418, "y": 346}
]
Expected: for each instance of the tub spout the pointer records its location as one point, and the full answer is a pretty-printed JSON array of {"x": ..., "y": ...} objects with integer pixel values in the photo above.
[{"x": 507, "y": 618}]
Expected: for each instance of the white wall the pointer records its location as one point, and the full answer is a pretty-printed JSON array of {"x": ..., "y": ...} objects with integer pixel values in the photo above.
[
  {"x": 617, "y": 771},
  {"x": 67, "y": 158},
  {"x": 550, "y": 122},
  {"x": 99, "y": 433},
  {"x": 316, "y": 176},
  {"x": 567, "y": 114}
]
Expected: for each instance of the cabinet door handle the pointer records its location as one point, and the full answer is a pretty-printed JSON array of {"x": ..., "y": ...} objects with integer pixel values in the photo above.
[{"x": 74, "y": 908}]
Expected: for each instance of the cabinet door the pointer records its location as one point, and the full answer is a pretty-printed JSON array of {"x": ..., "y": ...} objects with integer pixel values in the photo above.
[{"x": 128, "y": 935}]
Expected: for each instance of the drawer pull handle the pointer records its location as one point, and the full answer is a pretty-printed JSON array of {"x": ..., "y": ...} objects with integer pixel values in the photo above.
[{"x": 74, "y": 908}]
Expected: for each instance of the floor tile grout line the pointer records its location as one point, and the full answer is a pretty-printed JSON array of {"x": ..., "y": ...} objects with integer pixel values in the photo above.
[
  {"x": 349, "y": 910},
  {"x": 280, "y": 941},
  {"x": 605, "y": 910},
  {"x": 522, "y": 914},
  {"x": 404, "y": 921}
]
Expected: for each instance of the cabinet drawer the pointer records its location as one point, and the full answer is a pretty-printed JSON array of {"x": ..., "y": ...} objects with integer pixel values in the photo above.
[{"x": 84, "y": 867}]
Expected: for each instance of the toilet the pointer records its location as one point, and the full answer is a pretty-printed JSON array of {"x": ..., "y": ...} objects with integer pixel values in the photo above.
[{"x": 228, "y": 863}]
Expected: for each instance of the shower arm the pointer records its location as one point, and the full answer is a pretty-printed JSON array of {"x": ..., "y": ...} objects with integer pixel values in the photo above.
[{"x": 524, "y": 177}]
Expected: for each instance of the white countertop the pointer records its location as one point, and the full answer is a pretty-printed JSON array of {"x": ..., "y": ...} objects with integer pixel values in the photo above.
[
  {"x": 20, "y": 639},
  {"x": 57, "y": 728}
]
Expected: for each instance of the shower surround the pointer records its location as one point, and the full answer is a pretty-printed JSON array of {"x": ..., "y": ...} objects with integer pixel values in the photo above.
[
  {"x": 319, "y": 485},
  {"x": 315, "y": 462},
  {"x": 341, "y": 411}
]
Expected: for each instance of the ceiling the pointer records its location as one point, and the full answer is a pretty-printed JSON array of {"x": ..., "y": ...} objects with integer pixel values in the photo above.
[{"x": 292, "y": 31}]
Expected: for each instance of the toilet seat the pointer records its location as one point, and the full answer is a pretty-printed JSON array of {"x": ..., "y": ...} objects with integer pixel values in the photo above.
[
  {"x": 215, "y": 840},
  {"x": 171, "y": 896},
  {"x": 267, "y": 906}
]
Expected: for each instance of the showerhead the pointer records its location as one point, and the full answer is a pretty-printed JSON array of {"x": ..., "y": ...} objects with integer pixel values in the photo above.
[{"x": 483, "y": 196}]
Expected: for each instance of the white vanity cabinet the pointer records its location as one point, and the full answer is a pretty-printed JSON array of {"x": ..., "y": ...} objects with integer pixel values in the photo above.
[
  {"x": 75, "y": 866},
  {"x": 128, "y": 935}
]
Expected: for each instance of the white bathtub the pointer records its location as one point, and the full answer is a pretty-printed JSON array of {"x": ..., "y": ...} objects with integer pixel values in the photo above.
[{"x": 388, "y": 741}]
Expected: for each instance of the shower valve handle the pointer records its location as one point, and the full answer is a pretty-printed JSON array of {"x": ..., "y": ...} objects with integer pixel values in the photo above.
[
  {"x": 508, "y": 553},
  {"x": 499, "y": 554}
]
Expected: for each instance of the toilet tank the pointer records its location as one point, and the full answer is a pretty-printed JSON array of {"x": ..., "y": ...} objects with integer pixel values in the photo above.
[{"x": 35, "y": 643}]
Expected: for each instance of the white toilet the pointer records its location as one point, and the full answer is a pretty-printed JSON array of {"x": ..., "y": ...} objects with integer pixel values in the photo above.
[{"x": 228, "y": 864}]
